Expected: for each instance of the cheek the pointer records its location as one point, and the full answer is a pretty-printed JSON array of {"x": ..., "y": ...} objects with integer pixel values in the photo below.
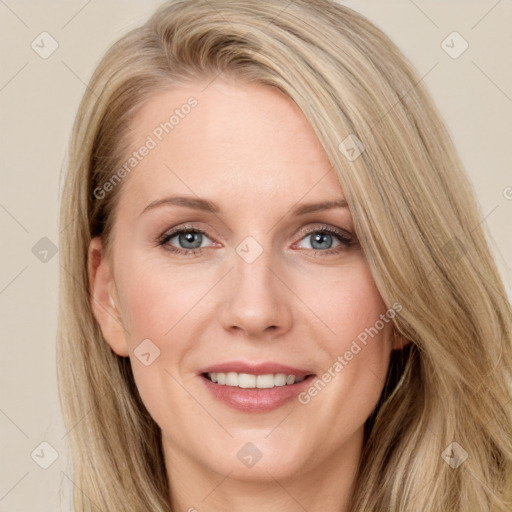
[
  {"x": 356, "y": 347},
  {"x": 159, "y": 300},
  {"x": 347, "y": 305},
  {"x": 362, "y": 331},
  {"x": 160, "y": 311}
]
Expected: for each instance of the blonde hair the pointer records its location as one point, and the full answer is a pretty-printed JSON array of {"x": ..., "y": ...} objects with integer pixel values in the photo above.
[{"x": 414, "y": 213}]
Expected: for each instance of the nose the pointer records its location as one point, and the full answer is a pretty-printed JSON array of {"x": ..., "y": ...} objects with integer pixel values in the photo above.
[{"x": 258, "y": 301}]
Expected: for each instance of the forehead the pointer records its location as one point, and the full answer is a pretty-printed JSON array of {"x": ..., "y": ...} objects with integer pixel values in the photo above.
[{"x": 226, "y": 139}]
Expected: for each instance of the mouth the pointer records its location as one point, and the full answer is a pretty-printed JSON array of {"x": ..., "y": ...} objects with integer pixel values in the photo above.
[
  {"x": 253, "y": 381},
  {"x": 255, "y": 387}
]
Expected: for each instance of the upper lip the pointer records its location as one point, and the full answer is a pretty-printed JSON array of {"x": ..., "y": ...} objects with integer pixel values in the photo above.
[{"x": 263, "y": 368}]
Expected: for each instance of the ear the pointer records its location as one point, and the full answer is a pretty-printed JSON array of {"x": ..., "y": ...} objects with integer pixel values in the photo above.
[
  {"x": 104, "y": 302},
  {"x": 399, "y": 341}
]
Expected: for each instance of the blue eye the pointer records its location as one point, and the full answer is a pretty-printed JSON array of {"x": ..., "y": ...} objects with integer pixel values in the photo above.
[
  {"x": 325, "y": 237},
  {"x": 190, "y": 241}
]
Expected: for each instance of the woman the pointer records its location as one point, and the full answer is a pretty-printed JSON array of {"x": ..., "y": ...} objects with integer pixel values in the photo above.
[{"x": 213, "y": 354}]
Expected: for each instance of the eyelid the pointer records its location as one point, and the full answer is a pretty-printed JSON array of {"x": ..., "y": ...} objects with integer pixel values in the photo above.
[
  {"x": 325, "y": 227},
  {"x": 172, "y": 232},
  {"x": 303, "y": 231}
]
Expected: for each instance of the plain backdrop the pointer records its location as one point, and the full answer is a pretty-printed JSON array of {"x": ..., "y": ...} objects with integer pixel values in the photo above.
[{"x": 38, "y": 101}]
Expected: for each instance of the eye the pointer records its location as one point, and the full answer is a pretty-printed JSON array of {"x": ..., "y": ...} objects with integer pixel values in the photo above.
[
  {"x": 321, "y": 240},
  {"x": 190, "y": 239}
]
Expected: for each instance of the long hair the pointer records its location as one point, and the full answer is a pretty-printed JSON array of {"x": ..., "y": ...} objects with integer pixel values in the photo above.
[{"x": 440, "y": 438}]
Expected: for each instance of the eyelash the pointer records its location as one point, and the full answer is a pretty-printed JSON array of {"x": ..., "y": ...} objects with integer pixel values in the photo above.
[{"x": 346, "y": 241}]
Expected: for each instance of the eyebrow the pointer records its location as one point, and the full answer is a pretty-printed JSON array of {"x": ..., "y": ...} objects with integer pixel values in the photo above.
[{"x": 197, "y": 203}]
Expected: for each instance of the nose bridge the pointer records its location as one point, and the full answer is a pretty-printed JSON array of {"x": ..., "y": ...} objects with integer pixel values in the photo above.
[
  {"x": 254, "y": 267},
  {"x": 256, "y": 297}
]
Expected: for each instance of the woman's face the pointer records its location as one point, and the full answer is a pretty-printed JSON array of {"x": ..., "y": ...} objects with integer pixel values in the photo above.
[{"x": 254, "y": 288}]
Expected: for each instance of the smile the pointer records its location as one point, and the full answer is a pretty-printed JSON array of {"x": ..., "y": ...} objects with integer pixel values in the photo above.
[
  {"x": 248, "y": 380},
  {"x": 254, "y": 387}
]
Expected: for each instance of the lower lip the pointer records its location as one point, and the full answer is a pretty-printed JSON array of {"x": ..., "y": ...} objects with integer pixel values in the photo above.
[{"x": 256, "y": 400}]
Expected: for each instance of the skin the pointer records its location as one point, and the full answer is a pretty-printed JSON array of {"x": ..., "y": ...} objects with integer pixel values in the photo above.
[{"x": 250, "y": 150}]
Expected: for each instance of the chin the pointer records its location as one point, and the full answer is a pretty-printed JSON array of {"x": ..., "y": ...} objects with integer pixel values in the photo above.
[{"x": 256, "y": 459}]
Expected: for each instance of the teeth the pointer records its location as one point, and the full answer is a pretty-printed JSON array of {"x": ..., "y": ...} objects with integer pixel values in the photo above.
[
  {"x": 231, "y": 379},
  {"x": 248, "y": 380}
]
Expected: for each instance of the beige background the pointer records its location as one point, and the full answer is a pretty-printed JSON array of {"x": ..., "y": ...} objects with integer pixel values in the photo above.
[{"x": 38, "y": 101}]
